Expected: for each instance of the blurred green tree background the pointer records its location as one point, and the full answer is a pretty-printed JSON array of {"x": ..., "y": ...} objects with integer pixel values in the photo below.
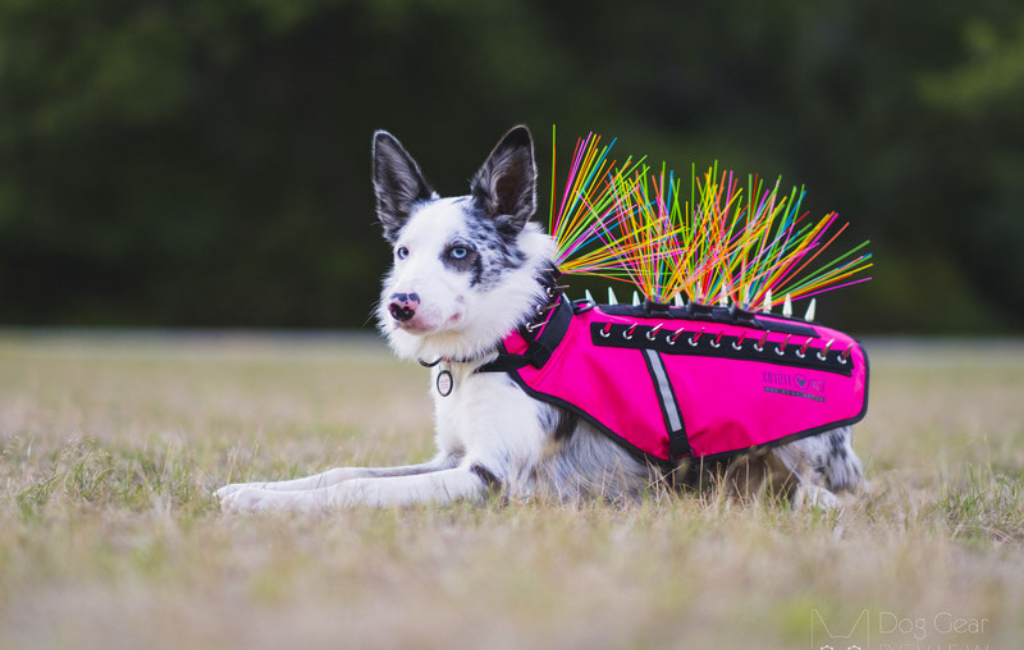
[{"x": 205, "y": 163}]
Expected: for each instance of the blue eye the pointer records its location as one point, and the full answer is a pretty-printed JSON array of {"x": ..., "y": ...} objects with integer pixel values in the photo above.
[
  {"x": 402, "y": 252},
  {"x": 459, "y": 252}
]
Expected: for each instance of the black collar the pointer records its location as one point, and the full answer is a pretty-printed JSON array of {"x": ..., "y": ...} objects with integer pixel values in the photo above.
[{"x": 431, "y": 364}]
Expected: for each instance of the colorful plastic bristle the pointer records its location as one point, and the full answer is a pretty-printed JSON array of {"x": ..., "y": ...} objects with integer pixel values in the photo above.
[{"x": 720, "y": 242}]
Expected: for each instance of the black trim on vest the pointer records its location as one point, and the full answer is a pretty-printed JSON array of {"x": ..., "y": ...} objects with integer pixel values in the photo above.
[{"x": 615, "y": 335}]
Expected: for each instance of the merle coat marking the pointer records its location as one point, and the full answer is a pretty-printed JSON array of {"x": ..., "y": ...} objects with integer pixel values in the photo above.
[{"x": 467, "y": 270}]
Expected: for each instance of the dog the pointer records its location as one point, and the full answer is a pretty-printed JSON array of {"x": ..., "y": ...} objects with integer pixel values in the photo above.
[{"x": 468, "y": 270}]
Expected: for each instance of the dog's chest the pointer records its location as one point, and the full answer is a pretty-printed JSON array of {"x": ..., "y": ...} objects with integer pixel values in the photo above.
[{"x": 479, "y": 408}]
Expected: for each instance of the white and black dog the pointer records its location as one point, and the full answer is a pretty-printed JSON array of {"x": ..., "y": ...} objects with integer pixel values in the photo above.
[{"x": 467, "y": 271}]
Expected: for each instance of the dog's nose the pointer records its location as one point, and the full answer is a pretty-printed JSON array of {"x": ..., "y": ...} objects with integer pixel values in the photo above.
[
  {"x": 398, "y": 312},
  {"x": 403, "y": 306}
]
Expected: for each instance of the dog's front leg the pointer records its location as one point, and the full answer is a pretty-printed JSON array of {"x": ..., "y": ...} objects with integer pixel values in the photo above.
[
  {"x": 337, "y": 475},
  {"x": 463, "y": 482}
]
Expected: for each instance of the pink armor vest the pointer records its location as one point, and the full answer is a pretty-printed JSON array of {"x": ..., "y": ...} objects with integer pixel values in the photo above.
[{"x": 699, "y": 382}]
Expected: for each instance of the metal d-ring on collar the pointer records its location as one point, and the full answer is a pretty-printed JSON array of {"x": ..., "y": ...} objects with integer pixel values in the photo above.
[{"x": 445, "y": 381}]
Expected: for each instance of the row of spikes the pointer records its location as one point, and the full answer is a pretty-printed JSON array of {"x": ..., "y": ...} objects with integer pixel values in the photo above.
[{"x": 787, "y": 304}]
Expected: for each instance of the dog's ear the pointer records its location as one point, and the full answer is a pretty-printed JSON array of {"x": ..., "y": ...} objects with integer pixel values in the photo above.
[
  {"x": 397, "y": 181},
  {"x": 506, "y": 185}
]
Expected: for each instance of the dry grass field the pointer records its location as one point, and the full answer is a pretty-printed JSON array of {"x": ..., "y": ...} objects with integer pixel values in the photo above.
[{"x": 110, "y": 446}]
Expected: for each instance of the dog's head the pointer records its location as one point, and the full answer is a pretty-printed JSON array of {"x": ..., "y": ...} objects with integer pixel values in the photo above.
[{"x": 465, "y": 269}]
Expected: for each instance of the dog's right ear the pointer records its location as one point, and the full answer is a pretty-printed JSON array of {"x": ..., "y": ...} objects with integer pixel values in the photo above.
[{"x": 397, "y": 181}]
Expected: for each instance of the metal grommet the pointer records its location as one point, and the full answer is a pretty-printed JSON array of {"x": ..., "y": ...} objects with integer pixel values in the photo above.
[
  {"x": 671, "y": 338},
  {"x": 824, "y": 351},
  {"x": 653, "y": 332},
  {"x": 738, "y": 343},
  {"x": 802, "y": 350},
  {"x": 628, "y": 334},
  {"x": 605, "y": 333},
  {"x": 716, "y": 344},
  {"x": 781, "y": 349},
  {"x": 845, "y": 354},
  {"x": 694, "y": 340},
  {"x": 821, "y": 356},
  {"x": 759, "y": 346}
]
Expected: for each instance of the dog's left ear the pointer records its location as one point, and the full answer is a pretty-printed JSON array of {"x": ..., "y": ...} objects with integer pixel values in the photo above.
[{"x": 506, "y": 185}]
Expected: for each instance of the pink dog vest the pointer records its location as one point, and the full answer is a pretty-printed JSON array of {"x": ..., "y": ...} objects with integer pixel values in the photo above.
[{"x": 671, "y": 383}]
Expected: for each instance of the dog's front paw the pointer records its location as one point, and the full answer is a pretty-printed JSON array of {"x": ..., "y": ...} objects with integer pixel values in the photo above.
[
  {"x": 232, "y": 488},
  {"x": 245, "y": 498},
  {"x": 813, "y": 496}
]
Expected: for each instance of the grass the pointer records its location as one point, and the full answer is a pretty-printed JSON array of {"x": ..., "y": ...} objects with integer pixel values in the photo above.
[{"x": 111, "y": 444}]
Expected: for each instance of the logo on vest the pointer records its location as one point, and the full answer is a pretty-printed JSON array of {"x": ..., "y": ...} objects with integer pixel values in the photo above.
[{"x": 794, "y": 385}]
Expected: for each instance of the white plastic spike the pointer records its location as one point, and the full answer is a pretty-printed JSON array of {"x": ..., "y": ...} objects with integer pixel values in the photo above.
[
  {"x": 612, "y": 300},
  {"x": 723, "y": 300},
  {"x": 636, "y": 299},
  {"x": 746, "y": 298},
  {"x": 679, "y": 300},
  {"x": 787, "y": 307},
  {"x": 768, "y": 302},
  {"x": 587, "y": 296},
  {"x": 810, "y": 309}
]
